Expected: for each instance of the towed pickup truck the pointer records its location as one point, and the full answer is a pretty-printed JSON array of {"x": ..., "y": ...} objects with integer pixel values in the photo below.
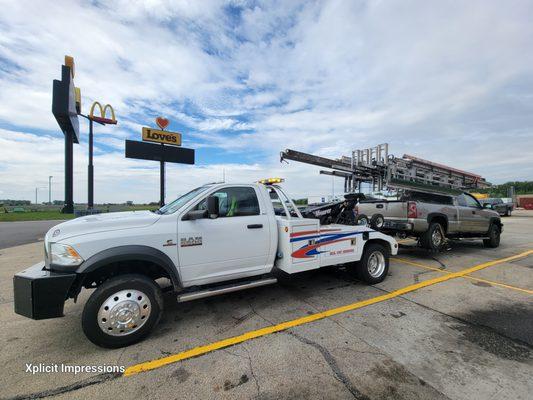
[
  {"x": 216, "y": 239},
  {"x": 433, "y": 217}
]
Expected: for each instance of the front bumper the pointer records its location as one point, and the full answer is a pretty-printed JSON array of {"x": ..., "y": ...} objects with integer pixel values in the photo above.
[{"x": 40, "y": 293}]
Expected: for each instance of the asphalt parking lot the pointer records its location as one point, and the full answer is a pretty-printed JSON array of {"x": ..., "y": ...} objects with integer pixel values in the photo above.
[
  {"x": 17, "y": 233},
  {"x": 457, "y": 325}
]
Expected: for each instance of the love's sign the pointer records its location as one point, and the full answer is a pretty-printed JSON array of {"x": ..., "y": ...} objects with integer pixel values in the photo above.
[{"x": 155, "y": 135}]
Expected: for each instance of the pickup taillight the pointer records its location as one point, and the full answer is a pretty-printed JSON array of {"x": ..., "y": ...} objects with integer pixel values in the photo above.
[
  {"x": 356, "y": 210},
  {"x": 411, "y": 210}
]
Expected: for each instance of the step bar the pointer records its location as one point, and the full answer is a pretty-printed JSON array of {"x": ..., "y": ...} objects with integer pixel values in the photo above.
[{"x": 224, "y": 289}]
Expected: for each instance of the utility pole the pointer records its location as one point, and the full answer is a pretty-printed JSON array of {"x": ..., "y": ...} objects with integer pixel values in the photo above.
[
  {"x": 50, "y": 190},
  {"x": 36, "y": 191}
]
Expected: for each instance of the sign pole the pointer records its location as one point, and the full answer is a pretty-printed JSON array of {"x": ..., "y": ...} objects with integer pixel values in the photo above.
[
  {"x": 162, "y": 179},
  {"x": 90, "y": 172},
  {"x": 68, "y": 208},
  {"x": 102, "y": 120}
]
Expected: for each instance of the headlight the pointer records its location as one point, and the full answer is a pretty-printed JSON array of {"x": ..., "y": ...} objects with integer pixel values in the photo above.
[{"x": 62, "y": 254}]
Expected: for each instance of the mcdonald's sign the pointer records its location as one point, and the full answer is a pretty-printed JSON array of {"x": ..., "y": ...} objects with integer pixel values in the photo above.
[{"x": 103, "y": 114}]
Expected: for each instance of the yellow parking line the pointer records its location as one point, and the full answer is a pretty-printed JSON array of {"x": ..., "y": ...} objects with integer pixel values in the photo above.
[
  {"x": 499, "y": 284},
  {"x": 197, "y": 351},
  {"x": 404, "y": 261}
]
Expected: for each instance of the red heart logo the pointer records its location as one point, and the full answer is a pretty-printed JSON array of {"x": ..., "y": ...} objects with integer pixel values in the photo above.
[{"x": 162, "y": 122}]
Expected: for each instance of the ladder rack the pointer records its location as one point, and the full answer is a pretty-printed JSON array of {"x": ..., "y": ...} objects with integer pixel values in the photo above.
[{"x": 382, "y": 170}]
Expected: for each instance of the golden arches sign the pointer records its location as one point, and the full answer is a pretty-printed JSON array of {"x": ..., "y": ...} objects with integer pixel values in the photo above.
[{"x": 103, "y": 113}]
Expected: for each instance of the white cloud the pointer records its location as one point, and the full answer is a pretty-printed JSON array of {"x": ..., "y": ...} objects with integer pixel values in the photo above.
[{"x": 450, "y": 82}]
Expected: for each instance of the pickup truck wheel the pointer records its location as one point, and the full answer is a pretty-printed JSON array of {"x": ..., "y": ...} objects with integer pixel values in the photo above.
[
  {"x": 361, "y": 219},
  {"x": 374, "y": 265},
  {"x": 377, "y": 221},
  {"x": 122, "y": 311},
  {"x": 494, "y": 237},
  {"x": 433, "y": 238}
]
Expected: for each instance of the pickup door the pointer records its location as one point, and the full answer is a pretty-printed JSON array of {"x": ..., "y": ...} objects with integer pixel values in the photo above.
[
  {"x": 234, "y": 245},
  {"x": 471, "y": 215}
]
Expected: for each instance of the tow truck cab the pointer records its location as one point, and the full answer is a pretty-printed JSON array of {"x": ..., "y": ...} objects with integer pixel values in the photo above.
[{"x": 215, "y": 239}]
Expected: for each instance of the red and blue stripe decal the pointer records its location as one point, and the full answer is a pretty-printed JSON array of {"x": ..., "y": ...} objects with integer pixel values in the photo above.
[{"x": 310, "y": 250}]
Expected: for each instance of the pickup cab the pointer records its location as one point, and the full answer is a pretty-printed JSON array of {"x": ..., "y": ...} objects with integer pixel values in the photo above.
[
  {"x": 216, "y": 239},
  {"x": 433, "y": 217}
]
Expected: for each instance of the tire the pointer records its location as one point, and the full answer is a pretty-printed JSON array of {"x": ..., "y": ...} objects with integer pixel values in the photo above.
[
  {"x": 377, "y": 221},
  {"x": 494, "y": 236},
  {"x": 136, "y": 297},
  {"x": 434, "y": 238},
  {"x": 362, "y": 219},
  {"x": 374, "y": 264}
]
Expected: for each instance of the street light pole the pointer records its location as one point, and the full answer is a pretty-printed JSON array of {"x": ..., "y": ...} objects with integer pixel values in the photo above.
[{"x": 50, "y": 190}]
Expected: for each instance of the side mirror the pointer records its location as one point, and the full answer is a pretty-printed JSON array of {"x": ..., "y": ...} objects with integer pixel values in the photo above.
[
  {"x": 487, "y": 205},
  {"x": 213, "y": 209},
  {"x": 195, "y": 214}
]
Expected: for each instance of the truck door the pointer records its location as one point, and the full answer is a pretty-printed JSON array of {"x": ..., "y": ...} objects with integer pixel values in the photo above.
[
  {"x": 479, "y": 218},
  {"x": 234, "y": 245},
  {"x": 470, "y": 214}
]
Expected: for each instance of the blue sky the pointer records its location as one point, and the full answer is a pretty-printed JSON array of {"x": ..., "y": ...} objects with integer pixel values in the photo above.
[{"x": 242, "y": 80}]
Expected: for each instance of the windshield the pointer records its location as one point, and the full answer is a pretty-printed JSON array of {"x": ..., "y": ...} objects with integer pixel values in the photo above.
[{"x": 181, "y": 201}]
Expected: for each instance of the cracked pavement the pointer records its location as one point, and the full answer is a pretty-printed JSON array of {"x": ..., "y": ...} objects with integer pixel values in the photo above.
[{"x": 460, "y": 339}]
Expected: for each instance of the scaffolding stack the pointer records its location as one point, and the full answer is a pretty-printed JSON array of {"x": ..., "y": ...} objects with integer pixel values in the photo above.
[{"x": 382, "y": 171}]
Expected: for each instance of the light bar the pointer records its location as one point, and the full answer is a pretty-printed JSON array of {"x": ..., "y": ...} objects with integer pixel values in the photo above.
[{"x": 270, "y": 181}]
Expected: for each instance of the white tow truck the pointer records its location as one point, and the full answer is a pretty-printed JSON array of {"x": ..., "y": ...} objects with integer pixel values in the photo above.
[{"x": 218, "y": 238}]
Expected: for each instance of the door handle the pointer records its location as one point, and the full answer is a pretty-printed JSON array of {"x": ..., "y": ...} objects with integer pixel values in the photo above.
[
  {"x": 473, "y": 212},
  {"x": 255, "y": 226},
  {"x": 379, "y": 206}
]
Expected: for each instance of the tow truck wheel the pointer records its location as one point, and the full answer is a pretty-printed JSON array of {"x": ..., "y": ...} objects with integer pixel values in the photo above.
[
  {"x": 374, "y": 265},
  {"x": 122, "y": 311}
]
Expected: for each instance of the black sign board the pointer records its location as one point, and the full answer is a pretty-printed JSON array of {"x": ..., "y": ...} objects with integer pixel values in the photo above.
[
  {"x": 157, "y": 152},
  {"x": 161, "y": 153},
  {"x": 64, "y": 104}
]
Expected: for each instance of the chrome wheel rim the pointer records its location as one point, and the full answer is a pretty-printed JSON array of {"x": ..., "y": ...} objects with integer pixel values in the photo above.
[
  {"x": 379, "y": 222},
  {"x": 436, "y": 237},
  {"x": 124, "y": 312},
  {"x": 376, "y": 264},
  {"x": 363, "y": 221}
]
